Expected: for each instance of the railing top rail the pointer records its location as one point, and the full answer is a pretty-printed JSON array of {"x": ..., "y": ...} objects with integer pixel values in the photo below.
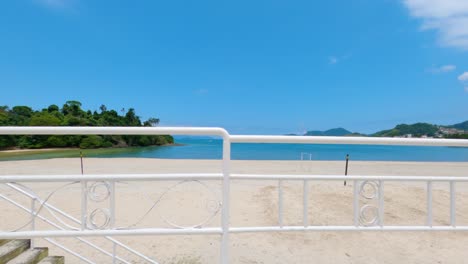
[
  {"x": 217, "y": 131},
  {"x": 111, "y": 177},
  {"x": 218, "y": 176},
  {"x": 64, "y": 130},
  {"x": 350, "y": 140}
]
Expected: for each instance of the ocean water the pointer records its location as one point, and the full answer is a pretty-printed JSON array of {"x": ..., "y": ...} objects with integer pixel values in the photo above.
[
  {"x": 203, "y": 148},
  {"x": 207, "y": 148}
]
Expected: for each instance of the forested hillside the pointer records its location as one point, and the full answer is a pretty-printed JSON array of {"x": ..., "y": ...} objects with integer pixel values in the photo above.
[{"x": 71, "y": 114}]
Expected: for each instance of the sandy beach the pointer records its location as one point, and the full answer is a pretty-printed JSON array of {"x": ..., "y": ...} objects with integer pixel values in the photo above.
[{"x": 255, "y": 203}]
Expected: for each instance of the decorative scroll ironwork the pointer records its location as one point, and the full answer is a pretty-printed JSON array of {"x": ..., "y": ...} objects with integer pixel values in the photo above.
[
  {"x": 99, "y": 191},
  {"x": 369, "y": 196},
  {"x": 213, "y": 206},
  {"x": 97, "y": 215}
]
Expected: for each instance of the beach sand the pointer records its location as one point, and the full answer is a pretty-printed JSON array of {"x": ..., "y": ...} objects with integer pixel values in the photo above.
[{"x": 254, "y": 203}]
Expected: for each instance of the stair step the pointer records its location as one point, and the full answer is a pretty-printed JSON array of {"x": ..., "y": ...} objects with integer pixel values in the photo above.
[
  {"x": 4, "y": 241},
  {"x": 30, "y": 256},
  {"x": 13, "y": 248},
  {"x": 53, "y": 260}
]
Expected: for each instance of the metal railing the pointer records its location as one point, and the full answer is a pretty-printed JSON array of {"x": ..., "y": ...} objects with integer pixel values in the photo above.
[
  {"x": 368, "y": 191},
  {"x": 35, "y": 199}
]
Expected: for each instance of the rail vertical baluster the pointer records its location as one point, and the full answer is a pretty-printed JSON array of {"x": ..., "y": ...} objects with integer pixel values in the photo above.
[
  {"x": 112, "y": 218},
  {"x": 226, "y": 199},
  {"x": 280, "y": 203},
  {"x": 429, "y": 203},
  {"x": 381, "y": 203},
  {"x": 356, "y": 203},
  {"x": 453, "y": 212},
  {"x": 33, "y": 218},
  {"x": 305, "y": 204},
  {"x": 84, "y": 205}
]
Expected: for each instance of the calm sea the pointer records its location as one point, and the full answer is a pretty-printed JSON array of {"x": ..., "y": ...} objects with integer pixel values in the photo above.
[
  {"x": 203, "y": 148},
  {"x": 194, "y": 148}
]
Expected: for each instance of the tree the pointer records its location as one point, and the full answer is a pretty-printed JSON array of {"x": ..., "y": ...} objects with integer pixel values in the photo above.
[
  {"x": 103, "y": 108},
  {"x": 44, "y": 119},
  {"x": 21, "y": 110},
  {"x": 53, "y": 108},
  {"x": 131, "y": 119},
  {"x": 151, "y": 122},
  {"x": 20, "y": 115},
  {"x": 74, "y": 107}
]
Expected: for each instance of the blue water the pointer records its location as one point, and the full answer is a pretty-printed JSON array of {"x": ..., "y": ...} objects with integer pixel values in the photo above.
[{"x": 202, "y": 148}]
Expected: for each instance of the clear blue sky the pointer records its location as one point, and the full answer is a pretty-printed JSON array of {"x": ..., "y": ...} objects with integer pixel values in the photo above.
[{"x": 249, "y": 66}]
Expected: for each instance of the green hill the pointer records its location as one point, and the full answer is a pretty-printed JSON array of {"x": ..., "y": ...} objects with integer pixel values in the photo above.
[
  {"x": 416, "y": 130},
  {"x": 331, "y": 132},
  {"x": 461, "y": 126},
  {"x": 71, "y": 114}
]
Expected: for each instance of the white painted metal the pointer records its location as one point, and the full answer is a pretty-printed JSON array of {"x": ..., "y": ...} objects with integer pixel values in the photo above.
[
  {"x": 112, "y": 218},
  {"x": 305, "y": 203},
  {"x": 226, "y": 198},
  {"x": 226, "y": 177},
  {"x": 344, "y": 228},
  {"x": 71, "y": 218},
  {"x": 429, "y": 203},
  {"x": 82, "y": 258},
  {"x": 350, "y": 140},
  {"x": 280, "y": 203},
  {"x": 261, "y": 177},
  {"x": 453, "y": 212},
  {"x": 112, "y": 232},
  {"x": 356, "y": 203},
  {"x": 111, "y": 177},
  {"x": 61, "y": 228},
  {"x": 219, "y": 176},
  {"x": 84, "y": 205},
  {"x": 214, "y": 131},
  {"x": 381, "y": 203},
  {"x": 33, "y": 219}
]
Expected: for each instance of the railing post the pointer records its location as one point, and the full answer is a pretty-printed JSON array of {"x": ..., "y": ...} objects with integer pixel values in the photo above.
[
  {"x": 280, "y": 203},
  {"x": 33, "y": 218},
  {"x": 356, "y": 203},
  {"x": 112, "y": 218},
  {"x": 453, "y": 211},
  {"x": 226, "y": 196},
  {"x": 306, "y": 204},
  {"x": 84, "y": 204},
  {"x": 381, "y": 203},
  {"x": 429, "y": 203}
]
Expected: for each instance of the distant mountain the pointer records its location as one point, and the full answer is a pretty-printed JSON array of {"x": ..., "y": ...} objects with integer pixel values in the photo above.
[
  {"x": 415, "y": 130},
  {"x": 403, "y": 130},
  {"x": 331, "y": 132},
  {"x": 461, "y": 126}
]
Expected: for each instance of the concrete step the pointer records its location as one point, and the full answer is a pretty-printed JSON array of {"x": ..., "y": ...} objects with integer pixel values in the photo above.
[
  {"x": 13, "y": 248},
  {"x": 53, "y": 260},
  {"x": 4, "y": 241},
  {"x": 30, "y": 256}
]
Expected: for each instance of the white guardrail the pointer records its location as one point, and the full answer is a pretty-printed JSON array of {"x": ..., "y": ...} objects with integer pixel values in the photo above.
[{"x": 366, "y": 217}]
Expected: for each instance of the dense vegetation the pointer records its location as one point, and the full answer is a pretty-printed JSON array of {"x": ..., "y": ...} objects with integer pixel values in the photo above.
[
  {"x": 331, "y": 132},
  {"x": 461, "y": 126},
  {"x": 457, "y": 136},
  {"x": 71, "y": 114},
  {"x": 416, "y": 130}
]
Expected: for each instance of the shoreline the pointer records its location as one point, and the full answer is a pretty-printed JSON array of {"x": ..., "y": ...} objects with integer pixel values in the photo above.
[
  {"x": 19, "y": 150},
  {"x": 153, "y": 165},
  {"x": 53, "y": 153}
]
